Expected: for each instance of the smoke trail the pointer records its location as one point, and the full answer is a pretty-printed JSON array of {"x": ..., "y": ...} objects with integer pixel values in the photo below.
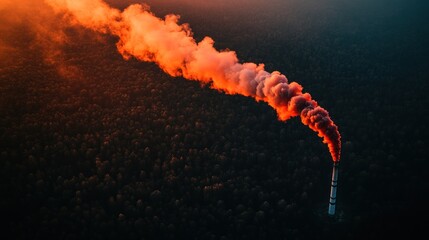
[
  {"x": 163, "y": 41},
  {"x": 27, "y": 25}
]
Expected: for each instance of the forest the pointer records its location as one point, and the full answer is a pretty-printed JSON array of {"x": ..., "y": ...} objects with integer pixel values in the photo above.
[{"x": 97, "y": 147}]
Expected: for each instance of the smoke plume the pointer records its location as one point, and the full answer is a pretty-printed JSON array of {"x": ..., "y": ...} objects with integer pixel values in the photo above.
[
  {"x": 171, "y": 45},
  {"x": 28, "y": 25}
]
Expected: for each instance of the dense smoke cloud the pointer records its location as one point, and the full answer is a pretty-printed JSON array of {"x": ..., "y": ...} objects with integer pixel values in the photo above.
[{"x": 171, "y": 45}]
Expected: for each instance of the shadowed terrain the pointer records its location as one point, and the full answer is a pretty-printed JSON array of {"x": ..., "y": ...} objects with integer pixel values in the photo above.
[{"x": 93, "y": 146}]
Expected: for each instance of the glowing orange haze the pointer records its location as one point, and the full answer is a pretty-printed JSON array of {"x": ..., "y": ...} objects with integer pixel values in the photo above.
[{"x": 148, "y": 38}]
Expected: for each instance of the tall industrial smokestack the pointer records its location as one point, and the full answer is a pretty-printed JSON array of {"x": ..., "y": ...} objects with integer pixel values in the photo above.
[{"x": 334, "y": 184}]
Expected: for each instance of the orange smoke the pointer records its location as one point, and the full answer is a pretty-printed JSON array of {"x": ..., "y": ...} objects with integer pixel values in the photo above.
[
  {"x": 26, "y": 25},
  {"x": 172, "y": 46}
]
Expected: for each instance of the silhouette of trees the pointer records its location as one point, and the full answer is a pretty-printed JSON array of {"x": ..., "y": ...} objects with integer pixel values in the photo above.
[{"x": 125, "y": 151}]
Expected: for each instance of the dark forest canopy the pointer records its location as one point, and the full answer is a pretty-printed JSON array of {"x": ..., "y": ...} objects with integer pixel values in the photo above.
[{"x": 93, "y": 146}]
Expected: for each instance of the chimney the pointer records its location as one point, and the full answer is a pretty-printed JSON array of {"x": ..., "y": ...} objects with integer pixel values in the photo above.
[{"x": 334, "y": 183}]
